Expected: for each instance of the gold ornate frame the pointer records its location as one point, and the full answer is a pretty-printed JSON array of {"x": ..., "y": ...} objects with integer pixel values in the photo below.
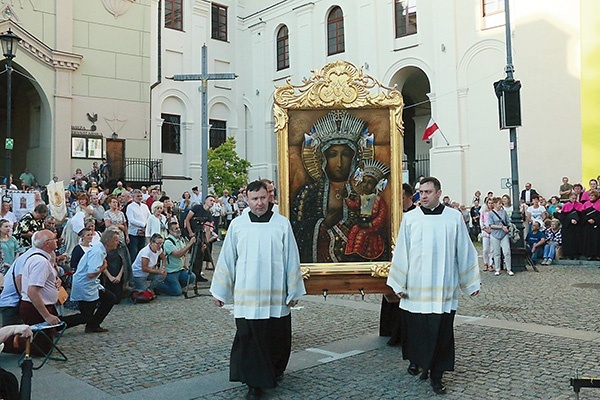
[{"x": 341, "y": 85}]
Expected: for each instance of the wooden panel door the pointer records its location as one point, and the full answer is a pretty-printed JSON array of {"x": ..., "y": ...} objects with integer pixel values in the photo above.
[{"x": 115, "y": 154}]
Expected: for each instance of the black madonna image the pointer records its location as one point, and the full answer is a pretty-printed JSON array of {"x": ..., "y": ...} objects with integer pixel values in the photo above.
[{"x": 340, "y": 213}]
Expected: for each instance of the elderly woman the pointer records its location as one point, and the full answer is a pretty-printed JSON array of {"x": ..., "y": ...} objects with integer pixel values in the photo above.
[{"x": 157, "y": 222}]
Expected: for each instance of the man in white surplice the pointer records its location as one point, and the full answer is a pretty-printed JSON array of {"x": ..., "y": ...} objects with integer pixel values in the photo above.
[
  {"x": 433, "y": 258},
  {"x": 259, "y": 271}
]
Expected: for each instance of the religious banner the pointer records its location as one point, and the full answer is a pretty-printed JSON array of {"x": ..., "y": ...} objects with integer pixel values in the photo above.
[
  {"x": 22, "y": 203},
  {"x": 340, "y": 166},
  {"x": 56, "y": 200}
]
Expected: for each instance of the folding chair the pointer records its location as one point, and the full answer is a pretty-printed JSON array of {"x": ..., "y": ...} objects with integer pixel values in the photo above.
[{"x": 40, "y": 330}]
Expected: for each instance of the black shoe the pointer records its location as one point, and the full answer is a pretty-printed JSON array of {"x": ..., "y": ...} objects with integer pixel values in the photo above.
[
  {"x": 201, "y": 279},
  {"x": 95, "y": 329},
  {"x": 413, "y": 369},
  {"x": 424, "y": 376},
  {"x": 280, "y": 377},
  {"x": 438, "y": 386},
  {"x": 253, "y": 393}
]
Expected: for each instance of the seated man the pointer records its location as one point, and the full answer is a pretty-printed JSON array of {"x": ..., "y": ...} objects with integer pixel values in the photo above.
[
  {"x": 178, "y": 274},
  {"x": 40, "y": 283},
  {"x": 535, "y": 241},
  {"x": 146, "y": 264},
  {"x": 94, "y": 301}
]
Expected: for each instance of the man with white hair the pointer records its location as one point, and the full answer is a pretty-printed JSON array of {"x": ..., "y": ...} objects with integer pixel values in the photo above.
[
  {"x": 40, "y": 285},
  {"x": 137, "y": 216}
]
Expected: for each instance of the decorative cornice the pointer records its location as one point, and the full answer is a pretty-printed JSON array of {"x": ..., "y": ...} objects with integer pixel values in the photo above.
[{"x": 56, "y": 59}]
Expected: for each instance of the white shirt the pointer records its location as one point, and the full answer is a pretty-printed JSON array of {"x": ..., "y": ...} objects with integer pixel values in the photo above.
[
  {"x": 137, "y": 216},
  {"x": 152, "y": 257},
  {"x": 39, "y": 271}
]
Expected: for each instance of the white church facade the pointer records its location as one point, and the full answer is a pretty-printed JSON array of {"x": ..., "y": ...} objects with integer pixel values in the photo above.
[{"x": 95, "y": 74}]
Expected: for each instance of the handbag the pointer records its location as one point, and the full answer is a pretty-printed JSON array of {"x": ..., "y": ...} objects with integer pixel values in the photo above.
[{"x": 513, "y": 232}]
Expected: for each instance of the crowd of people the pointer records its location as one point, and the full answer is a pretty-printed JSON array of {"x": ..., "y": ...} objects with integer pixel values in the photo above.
[
  {"x": 112, "y": 244},
  {"x": 565, "y": 224},
  {"x": 141, "y": 243}
]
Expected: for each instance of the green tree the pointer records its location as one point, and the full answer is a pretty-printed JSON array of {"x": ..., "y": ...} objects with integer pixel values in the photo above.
[{"x": 226, "y": 170}]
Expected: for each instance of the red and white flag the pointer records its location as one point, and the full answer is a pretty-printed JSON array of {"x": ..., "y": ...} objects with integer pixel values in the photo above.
[{"x": 431, "y": 129}]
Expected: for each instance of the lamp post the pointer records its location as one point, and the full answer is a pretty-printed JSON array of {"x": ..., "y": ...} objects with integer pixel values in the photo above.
[
  {"x": 509, "y": 102},
  {"x": 9, "y": 48}
]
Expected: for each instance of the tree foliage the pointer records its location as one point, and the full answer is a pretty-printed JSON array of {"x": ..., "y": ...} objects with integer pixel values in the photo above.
[{"x": 226, "y": 170}]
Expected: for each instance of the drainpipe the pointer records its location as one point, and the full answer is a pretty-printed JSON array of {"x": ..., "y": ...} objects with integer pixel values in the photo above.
[{"x": 159, "y": 73}]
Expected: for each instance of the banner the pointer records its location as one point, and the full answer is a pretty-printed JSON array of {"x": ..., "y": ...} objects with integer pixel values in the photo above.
[
  {"x": 22, "y": 203},
  {"x": 56, "y": 200}
]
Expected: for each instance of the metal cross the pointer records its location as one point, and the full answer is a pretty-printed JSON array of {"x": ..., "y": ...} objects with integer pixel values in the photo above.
[{"x": 204, "y": 77}]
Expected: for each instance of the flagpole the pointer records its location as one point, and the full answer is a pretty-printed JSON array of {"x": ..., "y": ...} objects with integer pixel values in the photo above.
[{"x": 444, "y": 136}]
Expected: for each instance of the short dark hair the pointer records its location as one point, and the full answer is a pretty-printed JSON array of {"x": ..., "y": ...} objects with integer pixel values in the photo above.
[
  {"x": 195, "y": 188},
  {"x": 256, "y": 186},
  {"x": 155, "y": 237},
  {"x": 407, "y": 189},
  {"x": 41, "y": 209},
  {"x": 209, "y": 197},
  {"x": 434, "y": 180}
]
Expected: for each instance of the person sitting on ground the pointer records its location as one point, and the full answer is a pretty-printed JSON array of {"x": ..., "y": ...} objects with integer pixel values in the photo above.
[
  {"x": 178, "y": 273},
  {"x": 535, "y": 241},
  {"x": 147, "y": 273},
  {"x": 553, "y": 241},
  {"x": 94, "y": 301}
]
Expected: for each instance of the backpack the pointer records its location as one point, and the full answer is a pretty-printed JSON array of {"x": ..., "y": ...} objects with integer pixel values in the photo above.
[
  {"x": 9, "y": 385},
  {"x": 142, "y": 297}
]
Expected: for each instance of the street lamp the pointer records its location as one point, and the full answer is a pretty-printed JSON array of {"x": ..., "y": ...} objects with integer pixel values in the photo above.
[
  {"x": 509, "y": 103},
  {"x": 9, "y": 48}
]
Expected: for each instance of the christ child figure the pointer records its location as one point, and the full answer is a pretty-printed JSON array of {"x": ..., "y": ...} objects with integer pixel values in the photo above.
[{"x": 365, "y": 238}]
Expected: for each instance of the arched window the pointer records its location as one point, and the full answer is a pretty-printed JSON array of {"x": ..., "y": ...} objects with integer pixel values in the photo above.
[
  {"x": 335, "y": 31},
  {"x": 283, "y": 48}
]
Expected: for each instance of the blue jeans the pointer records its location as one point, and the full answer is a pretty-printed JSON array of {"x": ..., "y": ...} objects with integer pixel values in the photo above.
[
  {"x": 175, "y": 281},
  {"x": 537, "y": 254},
  {"x": 550, "y": 251},
  {"x": 148, "y": 283},
  {"x": 136, "y": 243}
]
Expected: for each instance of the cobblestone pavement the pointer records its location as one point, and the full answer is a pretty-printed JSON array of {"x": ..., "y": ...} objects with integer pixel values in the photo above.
[{"x": 527, "y": 337}]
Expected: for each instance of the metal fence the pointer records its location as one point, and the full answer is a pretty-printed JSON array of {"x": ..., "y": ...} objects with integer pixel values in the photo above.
[{"x": 146, "y": 170}]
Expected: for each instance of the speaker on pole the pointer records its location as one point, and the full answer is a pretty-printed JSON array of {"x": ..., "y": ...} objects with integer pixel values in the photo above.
[{"x": 509, "y": 102}]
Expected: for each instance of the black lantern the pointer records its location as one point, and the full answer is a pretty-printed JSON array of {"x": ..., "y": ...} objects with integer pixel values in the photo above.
[{"x": 9, "y": 44}]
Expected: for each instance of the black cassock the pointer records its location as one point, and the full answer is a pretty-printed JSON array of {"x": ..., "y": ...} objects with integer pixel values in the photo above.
[
  {"x": 590, "y": 240},
  {"x": 571, "y": 233}
]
